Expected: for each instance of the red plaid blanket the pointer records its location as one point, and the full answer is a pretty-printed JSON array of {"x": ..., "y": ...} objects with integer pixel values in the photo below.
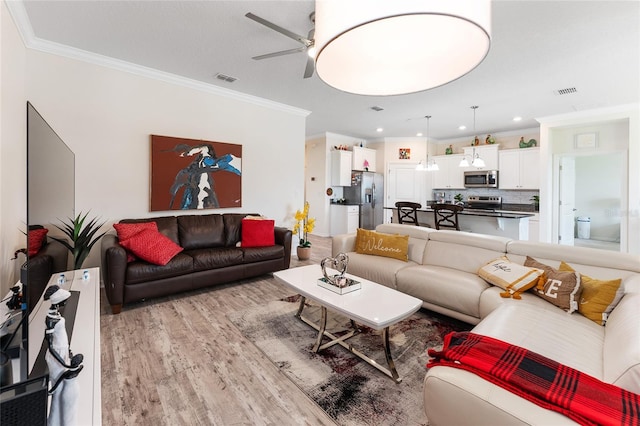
[{"x": 543, "y": 381}]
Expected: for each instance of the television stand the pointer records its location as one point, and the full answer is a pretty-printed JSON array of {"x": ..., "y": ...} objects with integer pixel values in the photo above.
[{"x": 85, "y": 339}]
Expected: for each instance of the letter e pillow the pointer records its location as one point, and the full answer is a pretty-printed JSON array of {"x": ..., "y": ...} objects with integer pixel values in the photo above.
[{"x": 558, "y": 287}]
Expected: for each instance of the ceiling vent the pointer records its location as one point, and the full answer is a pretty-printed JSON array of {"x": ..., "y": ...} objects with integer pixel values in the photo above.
[
  {"x": 226, "y": 78},
  {"x": 377, "y": 108},
  {"x": 566, "y": 91}
]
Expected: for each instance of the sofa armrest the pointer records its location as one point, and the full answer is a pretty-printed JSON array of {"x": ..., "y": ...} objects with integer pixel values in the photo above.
[
  {"x": 632, "y": 284},
  {"x": 283, "y": 237},
  {"x": 114, "y": 270},
  {"x": 343, "y": 243}
]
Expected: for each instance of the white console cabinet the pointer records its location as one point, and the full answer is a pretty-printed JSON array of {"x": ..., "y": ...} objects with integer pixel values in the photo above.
[{"x": 85, "y": 339}]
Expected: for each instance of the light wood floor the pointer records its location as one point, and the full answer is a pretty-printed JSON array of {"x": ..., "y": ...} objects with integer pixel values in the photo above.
[{"x": 179, "y": 361}]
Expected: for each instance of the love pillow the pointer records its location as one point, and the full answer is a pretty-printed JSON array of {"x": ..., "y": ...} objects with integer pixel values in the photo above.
[
  {"x": 512, "y": 277},
  {"x": 561, "y": 288}
]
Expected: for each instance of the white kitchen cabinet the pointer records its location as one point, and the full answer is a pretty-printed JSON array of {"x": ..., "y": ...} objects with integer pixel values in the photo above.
[
  {"x": 489, "y": 153},
  {"x": 360, "y": 155},
  {"x": 344, "y": 219},
  {"x": 534, "y": 228},
  {"x": 341, "y": 168},
  {"x": 450, "y": 175},
  {"x": 519, "y": 168}
]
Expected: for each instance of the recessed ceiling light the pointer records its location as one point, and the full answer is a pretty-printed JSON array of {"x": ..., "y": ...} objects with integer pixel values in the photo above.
[
  {"x": 379, "y": 129},
  {"x": 462, "y": 127},
  {"x": 418, "y": 134},
  {"x": 518, "y": 118}
]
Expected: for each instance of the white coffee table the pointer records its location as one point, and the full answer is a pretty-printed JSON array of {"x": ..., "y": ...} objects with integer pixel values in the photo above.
[{"x": 374, "y": 305}]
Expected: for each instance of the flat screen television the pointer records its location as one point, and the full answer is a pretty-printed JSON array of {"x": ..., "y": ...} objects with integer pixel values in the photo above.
[{"x": 50, "y": 198}]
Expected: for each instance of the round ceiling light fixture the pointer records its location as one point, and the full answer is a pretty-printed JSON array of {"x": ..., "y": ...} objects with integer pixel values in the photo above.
[{"x": 381, "y": 47}]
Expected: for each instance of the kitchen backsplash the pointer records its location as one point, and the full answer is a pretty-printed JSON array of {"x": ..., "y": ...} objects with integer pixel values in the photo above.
[{"x": 508, "y": 196}]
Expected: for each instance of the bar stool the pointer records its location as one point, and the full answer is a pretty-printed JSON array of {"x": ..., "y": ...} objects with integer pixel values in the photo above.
[
  {"x": 408, "y": 212},
  {"x": 446, "y": 215}
]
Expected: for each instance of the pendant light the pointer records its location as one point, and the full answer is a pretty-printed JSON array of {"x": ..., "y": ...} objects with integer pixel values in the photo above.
[
  {"x": 429, "y": 165},
  {"x": 476, "y": 161},
  {"x": 383, "y": 47}
]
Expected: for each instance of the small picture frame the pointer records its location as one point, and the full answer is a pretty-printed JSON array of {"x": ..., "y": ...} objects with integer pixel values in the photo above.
[
  {"x": 586, "y": 140},
  {"x": 404, "y": 153}
]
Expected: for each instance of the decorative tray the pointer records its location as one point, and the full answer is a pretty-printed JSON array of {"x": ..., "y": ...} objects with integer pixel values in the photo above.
[{"x": 352, "y": 285}]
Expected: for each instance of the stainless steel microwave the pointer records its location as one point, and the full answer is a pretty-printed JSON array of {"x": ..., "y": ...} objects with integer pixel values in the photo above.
[{"x": 481, "y": 179}]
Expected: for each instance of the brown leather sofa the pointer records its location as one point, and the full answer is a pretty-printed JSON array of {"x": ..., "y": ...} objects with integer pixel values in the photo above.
[
  {"x": 210, "y": 257},
  {"x": 50, "y": 259}
]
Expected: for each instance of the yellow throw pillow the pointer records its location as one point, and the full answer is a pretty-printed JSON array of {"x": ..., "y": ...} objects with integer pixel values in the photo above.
[
  {"x": 599, "y": 297},
  {"x": 379, "y": 244},
  {"x": 512, "y": 277}
]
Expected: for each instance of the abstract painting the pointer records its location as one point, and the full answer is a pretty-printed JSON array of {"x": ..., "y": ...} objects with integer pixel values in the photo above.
[
  {"x": 192, "y": 174},
  {"x": 404, "y": 154}
]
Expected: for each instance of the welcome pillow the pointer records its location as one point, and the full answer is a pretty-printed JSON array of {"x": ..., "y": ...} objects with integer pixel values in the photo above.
[
  {"x": 512, "y": 277},
  {"x": 379, "y": 244},
  {"x": 598, "y": 297},
  {"x": 561, "y": 288}
]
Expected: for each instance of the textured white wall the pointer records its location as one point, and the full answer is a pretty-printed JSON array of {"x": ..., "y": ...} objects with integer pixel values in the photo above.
[
  {"x": 106, "y": 116},
  {"x": 599, "y": 194},
  {"x": 13, "y": 153}
]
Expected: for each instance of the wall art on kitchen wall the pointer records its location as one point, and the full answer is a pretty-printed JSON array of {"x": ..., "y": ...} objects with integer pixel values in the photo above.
[
  {"x": 188, "y": 174},
  {"x": 404, "y": 154}
]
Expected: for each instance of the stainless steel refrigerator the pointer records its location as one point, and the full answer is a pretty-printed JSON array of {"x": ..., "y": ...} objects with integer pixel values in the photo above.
[{"x": 367, "y": 190}]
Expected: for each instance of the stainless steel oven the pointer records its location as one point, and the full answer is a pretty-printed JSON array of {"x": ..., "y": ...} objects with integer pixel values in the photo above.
[{"x": 481, "y": 179}]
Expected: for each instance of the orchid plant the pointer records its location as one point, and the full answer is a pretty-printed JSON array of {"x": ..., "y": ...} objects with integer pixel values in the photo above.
[{"x": 304, "y": 225}]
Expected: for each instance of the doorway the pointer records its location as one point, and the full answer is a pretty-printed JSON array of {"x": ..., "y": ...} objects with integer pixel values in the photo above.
[
  {"x": 404, "y": 183},
  {"x": 590, "y": 195}
]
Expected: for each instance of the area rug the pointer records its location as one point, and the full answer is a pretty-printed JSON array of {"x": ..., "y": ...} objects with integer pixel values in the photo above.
[{"x": 348, "y": 389}]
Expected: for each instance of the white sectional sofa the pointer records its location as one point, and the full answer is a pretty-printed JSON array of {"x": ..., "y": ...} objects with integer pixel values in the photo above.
[{"x": 442, "y": 271}]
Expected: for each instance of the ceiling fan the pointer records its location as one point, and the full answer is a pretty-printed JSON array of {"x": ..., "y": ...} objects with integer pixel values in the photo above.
[{"x": 306, "y": 42}]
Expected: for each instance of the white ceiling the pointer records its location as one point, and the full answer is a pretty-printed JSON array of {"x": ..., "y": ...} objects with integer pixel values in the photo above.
[{"x": 537, "y": 47}]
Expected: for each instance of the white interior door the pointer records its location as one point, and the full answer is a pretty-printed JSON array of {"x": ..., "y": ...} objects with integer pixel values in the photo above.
[
  {"x": 567, "y": 200},
  {"x": 404, "y": 183}
]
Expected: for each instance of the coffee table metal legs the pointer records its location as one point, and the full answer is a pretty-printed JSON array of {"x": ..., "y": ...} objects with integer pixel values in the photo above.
[{"x": 322, "y": 332}]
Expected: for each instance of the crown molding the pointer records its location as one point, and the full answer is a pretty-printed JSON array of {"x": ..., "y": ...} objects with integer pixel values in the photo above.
[{"x": 21, "y": 19}]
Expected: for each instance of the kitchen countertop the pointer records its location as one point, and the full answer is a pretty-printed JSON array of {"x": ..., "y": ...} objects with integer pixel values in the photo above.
[
  {"x": 346, "y": 203},
  {"x": 498, "y": 213}
]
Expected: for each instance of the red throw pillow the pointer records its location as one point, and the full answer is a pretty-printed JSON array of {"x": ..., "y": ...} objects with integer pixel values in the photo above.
[
  {"x": 258, "y": 233},
  {"x": 36, "y": 238},
  {"x": 152, "y": 246},
  {"x": 128, "y": 230}
]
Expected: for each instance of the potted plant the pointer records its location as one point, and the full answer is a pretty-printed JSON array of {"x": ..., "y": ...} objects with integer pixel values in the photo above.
[
  {"x": 303, "y": 226},
  {"x": 536, "y": 202},
  {"x": 458, "y": 198},
  {"x": 83, "y": 236}
]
